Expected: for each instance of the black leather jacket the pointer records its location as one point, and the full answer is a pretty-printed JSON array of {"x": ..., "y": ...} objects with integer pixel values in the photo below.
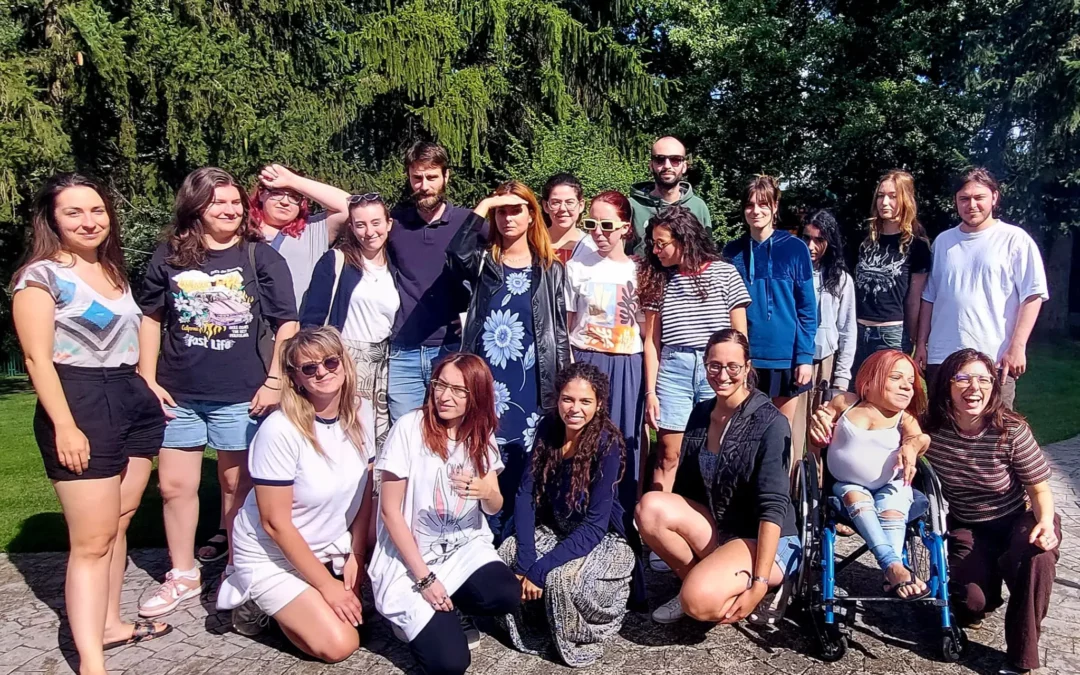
[{"x": 472, "y": 263}]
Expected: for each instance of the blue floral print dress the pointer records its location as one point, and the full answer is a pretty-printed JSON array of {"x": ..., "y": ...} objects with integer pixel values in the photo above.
[{"x": 509, "y": 347}]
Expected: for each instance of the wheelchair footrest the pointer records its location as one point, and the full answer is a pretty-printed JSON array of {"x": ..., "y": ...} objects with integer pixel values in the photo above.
[{"x": 846, "y": 600}]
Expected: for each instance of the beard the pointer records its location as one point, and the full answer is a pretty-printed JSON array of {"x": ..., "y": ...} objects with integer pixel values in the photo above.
[
  {"x": 428, "y": 202},
  {"x": 666, "y": 183}
]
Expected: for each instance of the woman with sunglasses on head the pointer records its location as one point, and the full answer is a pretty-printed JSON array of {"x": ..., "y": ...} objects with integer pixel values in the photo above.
[
  {"x": 728, "y": 527},
  {"x": 281, "y": 211},
  {"x": 353, "y": 289},
  {"x": 97, "y": 424},
  {"x": 516, "y": 319},
  {"x": 214, "y": 368},
  {"x": 1001, "y": 522},
  {"x": 563, "y": 201},
  {"x": 307, "y": 518},
  {"x": 434, "y": 555},
  {"x": 689, "y": 292}
]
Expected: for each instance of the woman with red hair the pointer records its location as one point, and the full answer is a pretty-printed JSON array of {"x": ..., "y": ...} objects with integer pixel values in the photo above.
[
  {"x": 434, "y": 552},
  {"x": 874, "y": 441}
]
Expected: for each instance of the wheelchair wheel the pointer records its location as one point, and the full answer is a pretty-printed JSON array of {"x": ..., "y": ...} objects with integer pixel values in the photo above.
[
  {"x": 833, "y": 644},
  {"x": 807, "y": 503},
  {"x": 918, "y": 556},
  {"x": 954, "y": 644}
]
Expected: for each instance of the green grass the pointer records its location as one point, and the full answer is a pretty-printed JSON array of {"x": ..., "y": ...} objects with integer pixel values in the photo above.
[{"x": 30, "y": 518}]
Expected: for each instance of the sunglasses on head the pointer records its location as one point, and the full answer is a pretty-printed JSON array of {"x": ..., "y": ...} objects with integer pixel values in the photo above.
[
  {"x": 365, "y": 198},
  {"x": 590, "y": 224},
  {"x": 331, "y": 363}
]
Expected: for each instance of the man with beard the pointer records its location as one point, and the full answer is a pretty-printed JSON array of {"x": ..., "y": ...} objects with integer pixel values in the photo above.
[
  {"x": 668, "y": 165},
  {"x": 430, "y": 300},
  {"x": 986, "y": 286}
]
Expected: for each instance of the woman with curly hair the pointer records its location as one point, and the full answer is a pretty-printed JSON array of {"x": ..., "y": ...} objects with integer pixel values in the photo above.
[{"x": 570, "y": 547}]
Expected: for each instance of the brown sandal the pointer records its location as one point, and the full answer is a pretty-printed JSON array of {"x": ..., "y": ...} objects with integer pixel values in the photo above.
[{"x": 144, "y": 631}]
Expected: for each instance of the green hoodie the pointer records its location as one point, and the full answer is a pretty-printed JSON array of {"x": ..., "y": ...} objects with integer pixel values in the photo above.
[{"x": 645, "y": 206}]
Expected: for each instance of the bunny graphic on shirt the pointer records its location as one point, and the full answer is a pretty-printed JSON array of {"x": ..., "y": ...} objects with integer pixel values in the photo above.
[{"x": 449, "y": 523}]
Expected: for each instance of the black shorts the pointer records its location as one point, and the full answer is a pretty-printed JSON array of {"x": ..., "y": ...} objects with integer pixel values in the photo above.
[
  {"x": 116, "y": 411},
  {"x": 779, "y": 383}
]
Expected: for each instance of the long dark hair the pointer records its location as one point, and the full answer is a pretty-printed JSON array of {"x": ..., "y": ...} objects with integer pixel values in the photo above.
[
  {"x": 698, "y": 249},
  {"x": 185, "y": 234},
  {"x": 45, "y": 241},
  {"x": 941, "y": 414},
  {"x": 551, "y": 435},
  {"x": 479, "y": 422},
  {"x": 833, "y": 265}
]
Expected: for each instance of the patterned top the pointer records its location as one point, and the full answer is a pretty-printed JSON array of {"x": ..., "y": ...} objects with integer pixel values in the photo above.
[
  {"x": 688, "y": 321},
  {"x": 91, "y": 331},
  {"x": 984, "y": 476}
]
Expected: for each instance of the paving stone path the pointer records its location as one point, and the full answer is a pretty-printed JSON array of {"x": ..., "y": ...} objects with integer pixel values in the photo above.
[{"x": 886, "y": 639}]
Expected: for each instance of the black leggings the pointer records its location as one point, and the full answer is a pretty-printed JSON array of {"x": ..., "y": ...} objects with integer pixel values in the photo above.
[{"x": 440, "y": 648}]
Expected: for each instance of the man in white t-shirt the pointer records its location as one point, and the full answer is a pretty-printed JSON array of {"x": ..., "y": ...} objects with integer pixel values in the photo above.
[{"x": 986, "y": 286}]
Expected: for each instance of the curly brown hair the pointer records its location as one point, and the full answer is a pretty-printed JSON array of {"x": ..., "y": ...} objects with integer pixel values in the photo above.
[
  {"x": 599, "y": 436},
  {"x": 698, "y": 249}
]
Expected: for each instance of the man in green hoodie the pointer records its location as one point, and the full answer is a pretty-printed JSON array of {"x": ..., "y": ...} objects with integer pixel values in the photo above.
[{"x": 668, "y": 165}]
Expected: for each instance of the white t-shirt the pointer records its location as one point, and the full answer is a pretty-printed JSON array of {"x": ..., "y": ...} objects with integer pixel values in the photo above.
[
  {"x": 451, "y": 532},
  {"x": 977, "y": 282},
  {"x": 372, "y": 307},
  {"x": 90, "y": 330},
  {"x": 603, "y": 296},
  {"x": 327, "y": 490}
]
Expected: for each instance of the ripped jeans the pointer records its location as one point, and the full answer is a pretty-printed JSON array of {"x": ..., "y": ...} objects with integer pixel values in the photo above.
[{"x": 883, "y": 535}]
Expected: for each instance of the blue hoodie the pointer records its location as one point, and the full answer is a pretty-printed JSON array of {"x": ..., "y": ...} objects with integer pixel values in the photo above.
[{"x": 782, "y": 319}]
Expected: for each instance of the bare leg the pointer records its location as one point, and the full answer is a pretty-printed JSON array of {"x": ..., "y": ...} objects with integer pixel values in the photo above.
[
  {"x": 678, "y": 530},
  {"x": 313, "y": 627},
  {"x": 235, "y": 484},
  {"x": 669, "y": 445},
  {"x": 179, "y": 473},
  {"x": 92, "y": 509},
  {"x": 715, "y": 583}
]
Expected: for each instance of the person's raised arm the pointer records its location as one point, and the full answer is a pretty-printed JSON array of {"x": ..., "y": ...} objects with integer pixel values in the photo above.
[{"x": 335, "y": 200}]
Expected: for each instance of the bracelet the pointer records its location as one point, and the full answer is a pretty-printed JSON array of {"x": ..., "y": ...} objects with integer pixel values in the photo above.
[
  {"x": 760, "y": 579},
  {"x": 272, "y": 377},
  {"x": 422, "y": 584},
  {"x": 265, "y": 386}
]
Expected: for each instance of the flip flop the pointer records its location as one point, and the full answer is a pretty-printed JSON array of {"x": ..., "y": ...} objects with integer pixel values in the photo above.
[
  {"x": 143, "y": 632},
  {"x": 895, "y": 590},
  {"x": 221, "y": 548}
]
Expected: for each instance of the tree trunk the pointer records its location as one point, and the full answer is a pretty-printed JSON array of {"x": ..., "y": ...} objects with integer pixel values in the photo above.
[{"x": 1058, "y": 254}]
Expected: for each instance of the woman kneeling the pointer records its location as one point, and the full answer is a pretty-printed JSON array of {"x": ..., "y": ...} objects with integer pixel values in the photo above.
[
  {"x": 434, "y": 550},
  {"x": 570, "y": 545},
  {"x": 310, "y": 508},
  {"x": 728, "y": 528}
]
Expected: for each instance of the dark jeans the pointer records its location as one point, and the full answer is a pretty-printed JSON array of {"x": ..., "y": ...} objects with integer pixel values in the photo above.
[
  {"x": 1008, "y": 387},
  {"x": 441, "y": 648},
  {"x": 981, "y": 557},
  {"x": 870, "y": 339}
]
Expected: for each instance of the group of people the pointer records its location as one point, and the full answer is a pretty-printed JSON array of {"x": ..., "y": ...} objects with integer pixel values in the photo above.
[{"x": 453, "y": 404}]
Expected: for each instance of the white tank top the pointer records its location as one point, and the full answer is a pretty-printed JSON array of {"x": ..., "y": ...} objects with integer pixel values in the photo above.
[{"x": 863, "y": 456}]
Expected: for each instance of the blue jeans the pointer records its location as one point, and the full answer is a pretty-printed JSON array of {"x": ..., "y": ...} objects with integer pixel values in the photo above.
[
  {"x": 410, "y": 375},
  {"x": 680, "y": 385},
  {"x": 883, "y": 535},
  {"x": 875, "y": 338}
]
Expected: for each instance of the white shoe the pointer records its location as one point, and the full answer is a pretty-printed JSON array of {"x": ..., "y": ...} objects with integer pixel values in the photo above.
[
  {"x": 657, "y": 564},
  {"x": 669, "y": 612},
  {"x": 175, "y": 590},
  {"x": 249, "y": 620}
]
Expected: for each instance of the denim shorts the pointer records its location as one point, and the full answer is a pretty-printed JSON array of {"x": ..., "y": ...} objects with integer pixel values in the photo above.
[
  {"x": 226, "y": 427},
  {"x": 892, "y": 496},
  {"x": 680, "y": 385},
  {"x": 788, "y": 554}
]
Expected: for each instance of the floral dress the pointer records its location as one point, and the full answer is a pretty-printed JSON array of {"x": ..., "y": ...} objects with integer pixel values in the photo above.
[{"x": 509, "y": 347}]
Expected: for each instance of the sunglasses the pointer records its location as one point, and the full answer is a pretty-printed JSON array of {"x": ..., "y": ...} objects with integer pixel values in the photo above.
[
  {"x": 676, "y": 160},
  {"x": 590, "y": 224},
  {"x": 331, "y": 363},
  {"x": 279, "y": 195},
  {"x": 366, "y": 198}
]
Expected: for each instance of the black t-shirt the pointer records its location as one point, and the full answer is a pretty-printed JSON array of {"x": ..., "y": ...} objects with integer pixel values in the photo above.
[
  {"x": 209, "y": 349},
  {"x": 883, "y": 274}
]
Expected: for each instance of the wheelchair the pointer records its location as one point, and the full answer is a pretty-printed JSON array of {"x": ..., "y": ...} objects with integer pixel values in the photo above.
[{"x": 827, "y": 616}]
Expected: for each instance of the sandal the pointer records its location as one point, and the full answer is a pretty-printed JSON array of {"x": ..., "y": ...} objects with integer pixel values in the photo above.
[
  {"x": 219, "y": 543},
  {"x": 895, "y": 590},
  {"x": 843, "y": 530},
  {"x": 143, "y": 631}
]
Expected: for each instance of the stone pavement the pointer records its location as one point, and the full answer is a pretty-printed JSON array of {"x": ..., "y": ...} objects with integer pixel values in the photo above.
[{"x": 886, "y": 639}]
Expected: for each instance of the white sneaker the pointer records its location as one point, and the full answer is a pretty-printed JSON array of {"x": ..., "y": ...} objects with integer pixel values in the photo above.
[
  {"x": 669, "y": 612},
  {"x": 249, "y": 620},
  {"x": 177, "y": 588},
  {"x": 472, "y": 633},
  {"x": 657, "y": 564}
]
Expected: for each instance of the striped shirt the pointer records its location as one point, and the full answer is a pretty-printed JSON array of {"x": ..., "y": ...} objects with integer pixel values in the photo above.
[
  {"x": 686, "y": 319},
  {"x": 984, "y": 476}
]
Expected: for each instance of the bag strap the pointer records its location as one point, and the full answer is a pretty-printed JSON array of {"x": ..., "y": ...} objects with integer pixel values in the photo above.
[
  {"x": 339, "y": 264},
  {"x": 254, "y": 270}
]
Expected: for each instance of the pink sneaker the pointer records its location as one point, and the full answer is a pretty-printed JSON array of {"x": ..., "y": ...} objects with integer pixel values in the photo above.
[{"x": 175, "y": 590}]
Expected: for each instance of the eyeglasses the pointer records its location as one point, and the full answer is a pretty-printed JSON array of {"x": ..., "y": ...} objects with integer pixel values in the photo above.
[
  {"x": 331, "y": 363},
  {"x": 366, "y": 198},
  {"x": 279, "y": 195},
  {"x": 556, "y": 204},
  {"x": 658, "y": 245},
  {"x": 964, "y": 380},
  {"x": 590, "y": 224},
  {"x": 460, "y": 393},
  {"x": 676, "y": 160},
  {"x": 733, "y": 369}
]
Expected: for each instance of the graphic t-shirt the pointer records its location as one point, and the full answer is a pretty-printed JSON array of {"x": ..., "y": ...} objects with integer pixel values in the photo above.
[
  {"x": 451, "y": 532},
  {"x": 209, "y": 348},
  {"x": 603, "y": 296},
  {"x": 90, "y": 330},
  {"x": 883, "y": 275}
]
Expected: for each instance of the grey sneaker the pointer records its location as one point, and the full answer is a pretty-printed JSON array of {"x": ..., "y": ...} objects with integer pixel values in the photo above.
[
  {"x": 669, "y": 612},
  {"x": 249, "y": 620},
  {"x": 657, "y": 564}
]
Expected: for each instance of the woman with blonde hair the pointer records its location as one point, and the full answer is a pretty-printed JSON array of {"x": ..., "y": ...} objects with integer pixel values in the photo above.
[
  {"x": 893, "y": 265},
  {"x": 516, "y": 319},
  {"x": 310, "y": 509}
]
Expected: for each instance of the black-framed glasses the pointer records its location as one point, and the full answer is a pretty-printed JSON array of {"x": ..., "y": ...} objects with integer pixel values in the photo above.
[
  {"x": 365, "y": 198},
  {"x": 331, "y": 363},
  {"x": 279, "y": 195},
  {"x": 676, "y": 160},
  {"x": 460, "y": 393},
  {"x": 733, "y": 369},
  {"x": 590, "y": 224},
  {"x": 965, "y": 380}
]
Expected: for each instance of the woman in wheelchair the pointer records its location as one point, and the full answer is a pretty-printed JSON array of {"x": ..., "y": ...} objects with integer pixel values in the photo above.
[
  {"x": 1001, "y": 522},
  {"x": 874, "y": 442},
  {"x": 728, "y": 528}
]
